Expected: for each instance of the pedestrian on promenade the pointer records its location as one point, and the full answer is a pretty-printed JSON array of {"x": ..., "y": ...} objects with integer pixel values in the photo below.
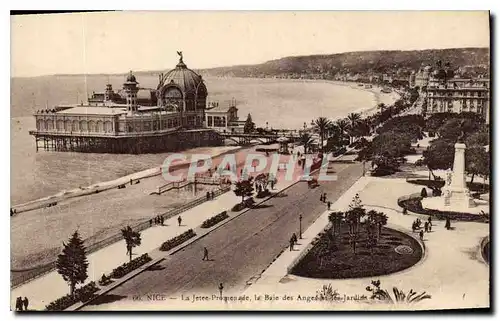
[
  {"x": 426, "y": 227},
  {"x": 150, "y": 222},
  {"x": 421, "y": 235},
  {"x": 19, "y": 304},
  {"x": 208, "y": 195},
  {"x": 205, "y": 254},
  {"x": 413, "y": 226},
  {"x": 447, "y": 225},
  {"x": 212, "y": 195},
  {"x": 25, "y": 303},
  {"x": 179, "y": 219},
  {"x": 429, "y": 220},
  {"x": 130, "y": 181},
  {"x": 294, "y": 238},
  {"x": 291, "y": 244},
  {"x": 329, "y": 204},
  {"x": 430, "y": 227},
  {"x": 161, "y": 220}
]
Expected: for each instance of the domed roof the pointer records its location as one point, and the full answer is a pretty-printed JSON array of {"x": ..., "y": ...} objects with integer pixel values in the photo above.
[
  {"x": 439, "y": 73},
  {"x": 186, "y": 79},
  {"x": 131, "y": 77}
]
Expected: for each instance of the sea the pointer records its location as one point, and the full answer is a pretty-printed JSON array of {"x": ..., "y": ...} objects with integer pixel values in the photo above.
[{"x": 276, "y": 103}]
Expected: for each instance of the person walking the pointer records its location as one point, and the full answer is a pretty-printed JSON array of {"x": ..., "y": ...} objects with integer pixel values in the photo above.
[
  {"x": 208, "y": 195},
  {"x": 25, "y": 303},
  {"x": 205, "y": 254},
  {"x": 150, "y": 222},
  {"x": 321, "y": 199},
  {"x": 212, "y": 195},
  {"x": 294, "y": 238},
  {"x": 430, "y": 227},
  {"x": 329, "y": 204},
  {"x": 161, "y": 220},
  {"x": 179, "y": 220},
  {"x": 426, "y": 227},
  {"x": 291, "y": 244},
  {"x": 447, "y": 225},
  {"x": 413, "y": 226},
  {"x": 421, "y": 235},
  {"x": 429, "y": 220},
  {"x": 19, "y": 305}
]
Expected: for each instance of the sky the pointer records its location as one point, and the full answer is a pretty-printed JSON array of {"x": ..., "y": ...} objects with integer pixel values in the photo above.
[{"x": 115, "y": 42}]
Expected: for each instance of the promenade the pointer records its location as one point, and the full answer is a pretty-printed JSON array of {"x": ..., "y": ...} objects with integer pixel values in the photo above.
[
  {"x": 110, "y": 257},
  {"x": 452, "y": 270},
  {"x": 238, "y": 250}
]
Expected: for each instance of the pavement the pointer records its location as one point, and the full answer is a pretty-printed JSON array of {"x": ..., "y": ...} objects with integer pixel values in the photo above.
[
  {"x": 239, "y": 250},
  {"x": 452, "y": 269},
  {"x": 110, "y": 257}
]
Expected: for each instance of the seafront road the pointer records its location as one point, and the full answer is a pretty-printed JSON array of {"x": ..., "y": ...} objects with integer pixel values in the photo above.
[{"x": 239, "y": 250}]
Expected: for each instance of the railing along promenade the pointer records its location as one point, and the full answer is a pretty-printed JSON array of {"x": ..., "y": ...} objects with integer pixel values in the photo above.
[{"x": 33, "y": 273}]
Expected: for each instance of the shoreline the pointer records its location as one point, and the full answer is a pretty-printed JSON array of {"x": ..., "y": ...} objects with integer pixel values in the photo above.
[
  {"x": 151, "y": 172},
  {"x": 114, "y": 183}
]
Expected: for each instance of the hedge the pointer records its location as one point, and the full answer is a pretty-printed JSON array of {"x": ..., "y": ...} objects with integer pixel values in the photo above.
[
  {"x": 178, "y": 240},
  {"x": 214, "y": 220},
  {"x": 128, "y": 267},
  {"x": 414, "y": 204},
  {"x": 82, "y": 294}
]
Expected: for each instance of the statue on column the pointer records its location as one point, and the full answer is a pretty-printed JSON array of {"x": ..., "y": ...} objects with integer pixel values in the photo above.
[
  {"x": 461, "y": 138},
  {"x": 180, "y": 55}
]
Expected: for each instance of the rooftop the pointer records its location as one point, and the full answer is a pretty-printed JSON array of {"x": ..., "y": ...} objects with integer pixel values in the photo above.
[{"x": 93, "y": 110}]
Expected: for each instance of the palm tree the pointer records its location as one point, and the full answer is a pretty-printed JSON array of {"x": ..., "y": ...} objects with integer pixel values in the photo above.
[
  {"x": 306, "y": 140},
  {"x": 321, "y": 125},
  {"x": 353, "y": 119},
  {"x": 342, "y": 125},
  {"x": 336, "y": 219},
  {"x": 132, "y": 239},
  {"x": 381, "y": 220}
]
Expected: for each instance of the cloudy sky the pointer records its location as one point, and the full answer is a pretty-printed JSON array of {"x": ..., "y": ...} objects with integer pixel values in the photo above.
[{"x": 120, "y": 41}]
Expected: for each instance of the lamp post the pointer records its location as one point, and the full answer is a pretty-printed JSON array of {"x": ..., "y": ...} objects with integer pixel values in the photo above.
[{"x": 300, "y": 226}]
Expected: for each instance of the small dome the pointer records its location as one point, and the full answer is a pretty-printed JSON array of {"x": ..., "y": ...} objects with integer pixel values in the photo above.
[{"x": 131, "y": 77}]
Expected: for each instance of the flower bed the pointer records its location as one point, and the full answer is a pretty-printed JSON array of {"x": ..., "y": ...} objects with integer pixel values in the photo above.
[
  {"x": 414, "y": 204},
  {"x": 178, "y": 240},
  {"x": 128, "y": 267},
  {"x": 82, "y": 294},
  {"x": 214, "y": 220}
]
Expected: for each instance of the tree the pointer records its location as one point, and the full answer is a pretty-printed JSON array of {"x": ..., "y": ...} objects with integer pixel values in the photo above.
[
  {"x": 336, "y": 219},
  {"x": 342, "y": 125},
  {"x": 306, "y": 140},
  {"x": 353, "y": 119},
  {"x": 439, "y": 155},
  {"x": 72, "y": 263},
  {"x": 399, "y": 296},
  {"x": 244, "y": 188},
  {"x": 477, "y": 162},
  {"x": 132, "y": 239},
  {"x": 322, "y": 124},
  {"x": 249, "y": 125}
]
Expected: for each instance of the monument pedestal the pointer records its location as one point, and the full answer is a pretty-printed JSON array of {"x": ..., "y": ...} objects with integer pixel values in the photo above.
[{"x": 455, "y": 192}]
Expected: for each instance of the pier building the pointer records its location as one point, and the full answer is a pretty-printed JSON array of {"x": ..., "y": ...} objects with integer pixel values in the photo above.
[{"x": 172, "y": 118}]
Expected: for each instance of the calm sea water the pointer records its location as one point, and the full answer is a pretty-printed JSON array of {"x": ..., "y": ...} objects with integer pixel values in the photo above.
[{"x": 281, "y": 103}]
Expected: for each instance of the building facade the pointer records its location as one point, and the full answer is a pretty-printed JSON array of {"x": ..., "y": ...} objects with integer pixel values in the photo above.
[
  {"x": 178, "y": 104},
  {"x": 443, "y": 91}
]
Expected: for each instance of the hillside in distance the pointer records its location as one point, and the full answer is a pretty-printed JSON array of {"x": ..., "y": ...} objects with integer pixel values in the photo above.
[{"x": 400, "y": 63}]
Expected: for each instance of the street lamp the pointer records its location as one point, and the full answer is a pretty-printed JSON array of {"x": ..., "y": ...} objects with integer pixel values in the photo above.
[{"x": 300, "y": 226}]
